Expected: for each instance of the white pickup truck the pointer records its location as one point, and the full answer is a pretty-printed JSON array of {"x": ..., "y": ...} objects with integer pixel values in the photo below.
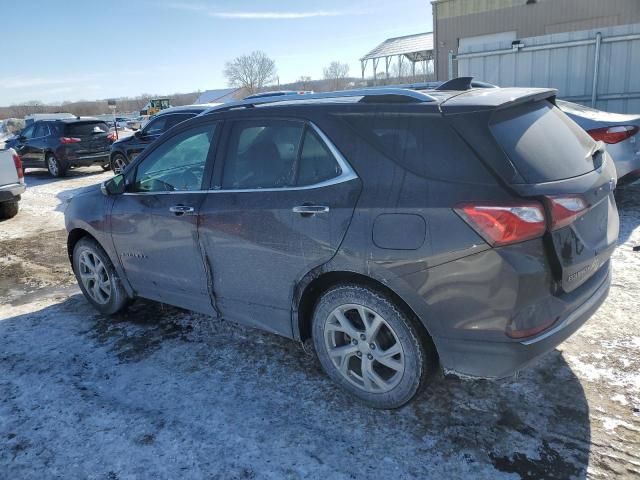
[{"x": 11, "y": 182}]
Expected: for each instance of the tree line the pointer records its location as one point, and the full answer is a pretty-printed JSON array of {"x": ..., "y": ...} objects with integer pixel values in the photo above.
[{"x": 251, "y": 73}]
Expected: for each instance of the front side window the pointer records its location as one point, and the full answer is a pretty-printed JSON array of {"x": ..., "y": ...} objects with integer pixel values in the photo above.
[
  {"x": 165, "y": 122},
  {"x": 178, "y": 164},
  {"x": 276, "y": 154},
  {"x": 155, "y": 126},
  {"x": 27, "y": 132}
]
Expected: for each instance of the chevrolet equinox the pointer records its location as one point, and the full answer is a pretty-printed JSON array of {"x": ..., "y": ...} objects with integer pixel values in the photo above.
[{"x": 398, "y": 231}]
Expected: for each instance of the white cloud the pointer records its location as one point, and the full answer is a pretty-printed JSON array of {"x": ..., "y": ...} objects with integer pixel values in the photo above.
[
  {"x": 269, "y": 15},
  {"x": 278, "y": 15}
]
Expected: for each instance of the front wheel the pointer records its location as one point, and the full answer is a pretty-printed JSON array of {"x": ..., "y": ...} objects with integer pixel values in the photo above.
[
  {"x": 118, "y": 163},
  {"x": 97, "y": 278},
  {"x": 371, "y": 348},
  {"x": 9, "y": 209}
]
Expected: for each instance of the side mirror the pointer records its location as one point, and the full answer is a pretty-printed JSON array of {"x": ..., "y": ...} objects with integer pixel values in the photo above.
[
  {"x": 113, "y": 186},
  {"x": 22, "y": 138},
  {"x": 138, "y": 134}
]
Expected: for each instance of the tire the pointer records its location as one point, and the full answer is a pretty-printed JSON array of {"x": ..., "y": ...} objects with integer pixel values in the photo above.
[
  {"x": 97, "y": 278},
  {"x": 118, "y": 162},
  {"x": 55, "y": 167},
  {"x": 9, "y": 209},
  {"x": 385, "y": 387}
]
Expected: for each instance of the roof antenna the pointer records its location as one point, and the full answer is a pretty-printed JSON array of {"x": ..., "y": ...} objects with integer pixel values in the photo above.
[{"x": 460, "y": 83}]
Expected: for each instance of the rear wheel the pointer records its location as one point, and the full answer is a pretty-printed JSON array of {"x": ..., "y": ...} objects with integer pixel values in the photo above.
[
  {"x": 55, "y": 167},
  {"x": 9, "y": 209},
  {"x": 118, "y": 163},
  {"x": 97, "y": 278},
  {"x": 370, "y": 347}
]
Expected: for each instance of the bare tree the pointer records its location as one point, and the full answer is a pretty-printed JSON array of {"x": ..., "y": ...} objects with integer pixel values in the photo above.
[
  {"x": 336, "y": 72},
  {"x": 251, "y": 72},
  {"x": 304, "y": 82}
]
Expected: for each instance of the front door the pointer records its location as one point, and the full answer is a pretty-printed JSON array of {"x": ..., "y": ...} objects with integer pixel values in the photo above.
[
  {"x": 284, "y": 201},
  {"x": 24, "y": 148},
  {"x": 154, "y": 224}
]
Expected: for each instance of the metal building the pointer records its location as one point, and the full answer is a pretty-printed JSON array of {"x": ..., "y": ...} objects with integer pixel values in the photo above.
[
  {"x": 465, "y": 23},
  {"x": 414, "y": 49}
]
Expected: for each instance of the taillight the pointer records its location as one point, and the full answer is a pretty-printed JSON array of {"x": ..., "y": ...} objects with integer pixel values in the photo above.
[
  {"x": 613, "y": 134},
  {"x": 565, "y": 210},
  {"x": 18, "y": 163},
  {"x": 111, "y": 136},
  {"x": 66, "y": 140},
  {"x": 504, "y": 224}
]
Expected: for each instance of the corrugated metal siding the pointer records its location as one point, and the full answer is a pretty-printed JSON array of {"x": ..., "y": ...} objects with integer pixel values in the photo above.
[
  {"x": 477, "y": 17},
  {"x": 569, "y": 69},
  {"x": 456, "y": 8}
]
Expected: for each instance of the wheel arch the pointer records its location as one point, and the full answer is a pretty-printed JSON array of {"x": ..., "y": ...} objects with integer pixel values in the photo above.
[
  {"x": 74, "y": 237},
  {"x": 313, "y": 289}
]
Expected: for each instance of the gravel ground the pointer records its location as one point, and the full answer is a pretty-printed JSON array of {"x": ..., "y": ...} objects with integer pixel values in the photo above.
[{"x": 163, "y": 393}]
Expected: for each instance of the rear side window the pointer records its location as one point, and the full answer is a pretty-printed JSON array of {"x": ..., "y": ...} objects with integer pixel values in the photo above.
[
  {"x": 317, "y": 164},
  {"x": 85, "y": 129},
  {"x": 42, "y": 130},
  {"x": 542, "y": 142},
  {"x": 423, "y": 144}
]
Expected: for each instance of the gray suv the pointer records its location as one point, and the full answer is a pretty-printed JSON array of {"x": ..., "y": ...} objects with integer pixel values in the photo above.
[{"x": 397, "y": 231}]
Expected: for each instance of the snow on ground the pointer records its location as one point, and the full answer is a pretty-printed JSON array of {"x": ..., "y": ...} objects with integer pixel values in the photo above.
[{"x": 164, "y": 393}]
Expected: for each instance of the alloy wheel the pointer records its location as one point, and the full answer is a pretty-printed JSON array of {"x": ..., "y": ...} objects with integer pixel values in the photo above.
[
  {"x": 118, "y": 165},
  {"x": 94, "y": 277},
  {"x": 364, "y": 348},
  {"x": 52, "y": 165}
]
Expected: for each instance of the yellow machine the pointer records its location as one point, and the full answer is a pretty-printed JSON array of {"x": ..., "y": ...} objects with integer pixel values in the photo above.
[{"x": 155, "y": 105}]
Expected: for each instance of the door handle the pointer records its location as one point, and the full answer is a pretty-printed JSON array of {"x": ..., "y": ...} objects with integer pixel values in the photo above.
[
  {"x": 181, "y": 209},
  {"x": 308, "y": 210}
]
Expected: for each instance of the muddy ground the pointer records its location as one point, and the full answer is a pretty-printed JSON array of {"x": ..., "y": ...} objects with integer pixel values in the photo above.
[{"x": 163, "y": 393}]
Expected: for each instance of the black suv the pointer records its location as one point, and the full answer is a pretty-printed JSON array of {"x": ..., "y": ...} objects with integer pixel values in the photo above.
[
  {"x": 58, "y": 145},
  {"x": 125, "y": 150},
  {"x": 396, "y": 230}
]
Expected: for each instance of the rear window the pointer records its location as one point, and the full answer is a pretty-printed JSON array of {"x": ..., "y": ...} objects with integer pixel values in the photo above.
[
  {"x": 83, "y": 129},
  {"x": 542, "y": 142}
]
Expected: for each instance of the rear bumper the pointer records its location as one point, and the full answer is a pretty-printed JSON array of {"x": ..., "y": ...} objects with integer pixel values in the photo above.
[
  {"x": 492, "y": 359},
  {"x": 101, "y": 158},
  {"x": 11, "y": 191}
]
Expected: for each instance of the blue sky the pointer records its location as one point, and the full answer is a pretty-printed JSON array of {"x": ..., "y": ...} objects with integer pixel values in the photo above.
[{"x": 72, "y": 50}]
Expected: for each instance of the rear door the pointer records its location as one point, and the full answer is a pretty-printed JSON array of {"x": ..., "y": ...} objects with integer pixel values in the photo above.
[
  {"x": 24, "y": 149},
  {"x": 542, "y": 154},
  {"x": 282, "y": 202},
  {"x": 38, "y": 143}
]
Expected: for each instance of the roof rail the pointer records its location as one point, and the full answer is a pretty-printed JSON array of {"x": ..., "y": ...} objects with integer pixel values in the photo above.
[{"x": 369, "y": 95}]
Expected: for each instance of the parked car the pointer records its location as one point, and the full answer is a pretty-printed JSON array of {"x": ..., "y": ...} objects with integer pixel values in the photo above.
[
  {"x": 126, "y": 149},
  {"x": 58, "y": 145},
  {"x": 395, "y": 230},
  {"x": 11, "y": 182},
  {"x": 277, "y": 93},
  {"x": 138, "y": 122},
  {"x": 619, "y": 132}
]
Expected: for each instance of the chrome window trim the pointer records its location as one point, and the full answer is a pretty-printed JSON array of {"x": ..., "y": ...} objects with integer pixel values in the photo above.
[{"x": 347, "y": 174}]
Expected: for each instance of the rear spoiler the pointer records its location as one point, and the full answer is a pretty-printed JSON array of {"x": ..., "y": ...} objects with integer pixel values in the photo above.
[{"x": 495, "y": 99}]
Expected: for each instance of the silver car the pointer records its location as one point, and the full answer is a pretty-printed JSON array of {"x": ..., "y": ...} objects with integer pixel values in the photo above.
[{"x": 619, "y": 132}]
